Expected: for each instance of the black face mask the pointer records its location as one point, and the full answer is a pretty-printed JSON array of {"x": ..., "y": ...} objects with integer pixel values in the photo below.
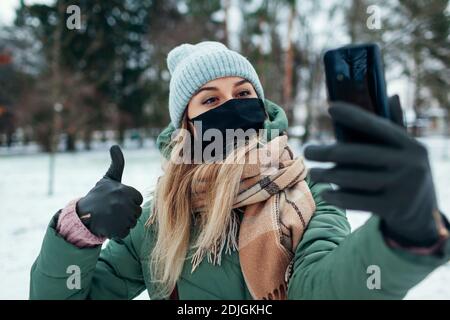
[{"x": 245, "y": 114}]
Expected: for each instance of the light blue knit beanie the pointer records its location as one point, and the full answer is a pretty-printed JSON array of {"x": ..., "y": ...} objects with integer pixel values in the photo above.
[{"x": 191, "y": 66}]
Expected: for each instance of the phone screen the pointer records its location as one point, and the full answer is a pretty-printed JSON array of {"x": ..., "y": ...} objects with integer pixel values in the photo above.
[
  {"x": 355, "y": 75},
  {"x": 358, "y": 92}
]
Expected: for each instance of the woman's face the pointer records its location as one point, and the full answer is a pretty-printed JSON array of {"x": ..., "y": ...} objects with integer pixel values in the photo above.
[{"x": 216, "y": 92}]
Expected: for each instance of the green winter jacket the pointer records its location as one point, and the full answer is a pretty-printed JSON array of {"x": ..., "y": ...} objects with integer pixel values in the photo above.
[{"x": 329, "y": 263}]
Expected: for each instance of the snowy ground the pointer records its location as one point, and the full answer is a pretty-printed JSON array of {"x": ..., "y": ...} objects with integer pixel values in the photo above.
[{"x": 25, "y": 207}]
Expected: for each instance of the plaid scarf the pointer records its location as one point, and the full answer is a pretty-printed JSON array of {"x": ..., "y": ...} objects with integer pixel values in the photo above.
[{"x": 277, "y": 205}]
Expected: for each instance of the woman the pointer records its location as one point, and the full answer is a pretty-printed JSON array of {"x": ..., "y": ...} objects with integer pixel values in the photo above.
[{"x": 221, "y": 229}]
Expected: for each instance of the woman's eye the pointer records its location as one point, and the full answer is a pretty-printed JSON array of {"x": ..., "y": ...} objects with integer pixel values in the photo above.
[
  {"x": 210, "y": 100},
  {"x": 244, "y": 93}
]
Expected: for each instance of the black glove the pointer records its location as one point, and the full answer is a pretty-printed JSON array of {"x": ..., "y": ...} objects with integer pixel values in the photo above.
[
  {"x": 396, "y": 111},
  {"x": 111, "y": 208},
  {"x": 390, "y": 178}
]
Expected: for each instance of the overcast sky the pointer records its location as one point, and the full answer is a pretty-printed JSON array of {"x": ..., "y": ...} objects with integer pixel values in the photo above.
[{"x": 8, "y": 8}]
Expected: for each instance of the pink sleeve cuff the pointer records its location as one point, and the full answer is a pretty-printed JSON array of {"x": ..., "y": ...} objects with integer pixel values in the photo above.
[
  {"x": 418, "y": 250},
  {"x": 71, "y": 228},
  {"x": 443, "y": 232}
]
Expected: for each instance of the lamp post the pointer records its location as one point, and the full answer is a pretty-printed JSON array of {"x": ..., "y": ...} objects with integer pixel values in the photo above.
[{"x": 57, "y": 109}]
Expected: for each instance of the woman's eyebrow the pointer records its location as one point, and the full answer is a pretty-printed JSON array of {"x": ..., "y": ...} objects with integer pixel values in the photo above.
[
  {"x": 215, "y": 88},
  {"x": 240, "y": 82},
  {"x": 204, "y": 89}
]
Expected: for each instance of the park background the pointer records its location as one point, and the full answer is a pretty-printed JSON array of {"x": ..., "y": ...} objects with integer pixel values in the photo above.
[{"x": 68, "y": 94}]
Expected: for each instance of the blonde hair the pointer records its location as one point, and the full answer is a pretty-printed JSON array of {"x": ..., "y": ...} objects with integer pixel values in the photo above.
[{"x": 174, "y": 213}]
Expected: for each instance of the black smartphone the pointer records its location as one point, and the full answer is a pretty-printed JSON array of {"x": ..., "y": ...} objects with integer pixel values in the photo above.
[{"x": 355, "y": 74}]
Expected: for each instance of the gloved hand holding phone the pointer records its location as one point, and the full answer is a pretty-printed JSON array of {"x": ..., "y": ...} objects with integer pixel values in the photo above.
[
  {"x": 111, "y": 209},
  {"x": 390, "y": 178}
]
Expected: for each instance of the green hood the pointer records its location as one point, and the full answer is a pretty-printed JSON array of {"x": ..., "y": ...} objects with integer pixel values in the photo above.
[{"x": 277, "y": 120}]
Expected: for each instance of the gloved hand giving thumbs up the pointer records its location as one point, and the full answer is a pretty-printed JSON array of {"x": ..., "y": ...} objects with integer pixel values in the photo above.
[{"x": 111, "y": 209}]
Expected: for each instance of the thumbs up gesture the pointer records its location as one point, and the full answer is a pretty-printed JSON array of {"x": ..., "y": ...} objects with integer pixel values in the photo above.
[{"x": 111, "y": 209}]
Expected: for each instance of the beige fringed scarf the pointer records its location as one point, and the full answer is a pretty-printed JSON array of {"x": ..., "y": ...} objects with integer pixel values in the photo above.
[{"x": 278, "y": 206}]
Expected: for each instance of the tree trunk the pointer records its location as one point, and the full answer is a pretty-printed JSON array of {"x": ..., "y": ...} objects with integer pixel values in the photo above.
[
  {"x": 313, "y": 95},
  {"x": 87, "y": 140},
  {"x": 141, "y": 138},
  {"x": 226, "y": 8},
  {"x": 56, "y": 77},
  {"x": 417, "y": 102},
  {"x": 121, "y": 133},
  {"x": 9, "y": 138},
  {"x": 289, "y": 69},
  {"x": 70, "y": 142}
]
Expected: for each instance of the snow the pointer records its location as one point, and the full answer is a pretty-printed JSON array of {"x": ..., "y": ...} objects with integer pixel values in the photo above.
[{"x": 25, "y": 207}]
